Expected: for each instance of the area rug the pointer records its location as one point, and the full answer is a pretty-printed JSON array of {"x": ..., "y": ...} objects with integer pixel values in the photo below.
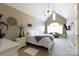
[{"x": 31, "y": 51}]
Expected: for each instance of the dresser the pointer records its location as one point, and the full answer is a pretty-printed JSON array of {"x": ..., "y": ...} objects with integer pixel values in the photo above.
[{"x": 8, "y": 48}]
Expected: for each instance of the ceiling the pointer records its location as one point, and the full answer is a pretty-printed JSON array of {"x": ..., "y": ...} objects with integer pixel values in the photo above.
[{"x": 37, "y": 10}]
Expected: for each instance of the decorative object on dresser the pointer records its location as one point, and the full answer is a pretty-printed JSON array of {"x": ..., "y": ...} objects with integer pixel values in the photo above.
[{"x": 21, "y": 34}]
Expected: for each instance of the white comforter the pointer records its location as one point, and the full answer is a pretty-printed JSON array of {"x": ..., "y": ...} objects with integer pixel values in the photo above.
[{"x": 46, "y": 42}]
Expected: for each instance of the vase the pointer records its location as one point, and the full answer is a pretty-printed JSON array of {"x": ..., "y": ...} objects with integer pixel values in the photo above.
[{"x": 20, "y": 34}]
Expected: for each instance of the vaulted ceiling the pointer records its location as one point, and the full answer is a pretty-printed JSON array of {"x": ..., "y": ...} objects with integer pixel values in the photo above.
[{"x": 37, "y": 10}]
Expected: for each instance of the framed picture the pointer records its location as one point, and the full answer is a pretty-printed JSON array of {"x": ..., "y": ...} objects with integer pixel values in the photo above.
[{"x": 29, "y": 25}]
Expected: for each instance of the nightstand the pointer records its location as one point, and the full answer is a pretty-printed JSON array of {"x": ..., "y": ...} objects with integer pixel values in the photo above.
[{"x": 21, "y": 41}]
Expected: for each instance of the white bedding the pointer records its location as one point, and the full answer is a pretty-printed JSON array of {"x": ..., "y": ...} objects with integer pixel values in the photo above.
[{"x": 46, "y": 42}]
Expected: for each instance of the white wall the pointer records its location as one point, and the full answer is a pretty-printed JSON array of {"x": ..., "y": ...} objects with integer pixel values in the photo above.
[{"x": 72, "y": 22}]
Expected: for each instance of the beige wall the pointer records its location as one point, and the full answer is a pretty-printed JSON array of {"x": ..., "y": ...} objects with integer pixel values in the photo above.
[
  {"x": 21, "y": 18},
  {"x": 59, "y": 19}
]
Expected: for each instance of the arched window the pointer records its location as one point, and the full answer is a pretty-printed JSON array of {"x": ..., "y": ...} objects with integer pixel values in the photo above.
[{"x": 55, "y": 28}]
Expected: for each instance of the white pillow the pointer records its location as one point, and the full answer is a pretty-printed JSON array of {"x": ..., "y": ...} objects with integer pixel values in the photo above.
[{"x": 30, "y": 32}]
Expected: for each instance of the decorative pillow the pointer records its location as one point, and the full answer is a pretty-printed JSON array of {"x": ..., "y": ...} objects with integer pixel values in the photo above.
[{"x": 30, "y": 32}]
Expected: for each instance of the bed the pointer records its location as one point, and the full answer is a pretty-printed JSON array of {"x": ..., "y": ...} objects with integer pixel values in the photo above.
[{"x": 45, "y": 40}]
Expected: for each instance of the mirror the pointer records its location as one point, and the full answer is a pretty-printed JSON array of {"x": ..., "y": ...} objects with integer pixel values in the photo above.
[{"x": 11, "y": 21}]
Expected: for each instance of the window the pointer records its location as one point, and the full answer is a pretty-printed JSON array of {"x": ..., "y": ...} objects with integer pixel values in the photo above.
[
  {"x": 54, "y": 16},
  {"x": 55, "y": 27}
]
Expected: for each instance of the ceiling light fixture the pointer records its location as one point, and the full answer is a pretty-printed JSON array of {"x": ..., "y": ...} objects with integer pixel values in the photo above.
[{"x": 48, "y": 11}]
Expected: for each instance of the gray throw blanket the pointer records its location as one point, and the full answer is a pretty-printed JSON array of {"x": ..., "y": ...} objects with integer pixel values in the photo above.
[{"x": 38, "y": 38}]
